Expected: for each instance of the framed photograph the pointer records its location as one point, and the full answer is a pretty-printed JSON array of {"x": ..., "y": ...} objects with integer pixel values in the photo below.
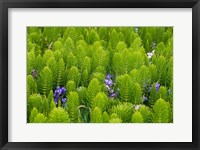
[{"x": 101, "y": 75}]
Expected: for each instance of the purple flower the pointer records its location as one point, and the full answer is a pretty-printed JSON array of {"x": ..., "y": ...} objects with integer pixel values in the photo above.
[
  {"x": 157, "y": 86},
  {"x": 64, "y": 100},
  {"x": 63, "y": 90},
  {"x": 145, "y": 98},
  {"x": 113, "y": 95},
  {"x": 108, "y": 76},
  {"x": 34, "y": 73}
]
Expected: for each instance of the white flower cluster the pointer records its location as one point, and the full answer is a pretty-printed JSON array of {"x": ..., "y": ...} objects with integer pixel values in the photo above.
[{"x": 150, "y": 54}]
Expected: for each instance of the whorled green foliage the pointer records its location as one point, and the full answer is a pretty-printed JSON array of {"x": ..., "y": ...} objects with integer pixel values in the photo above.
[
  {"x": 45, "y": 81},
  {"x": 124, "y": 111},
  {"x": 114, "y": 38},
  {"x": 58, "y": 115},
  {"x": 92, "y": 37},
  {"x": 70, "y": 86},
  {"x": 145, "y": 75},
  {"x": 45, "y": 106},
  {"x": 153, "y": 95},
  {"x": 137, "y": 117},
  {"x": 85, "y": 77},
  {"x": 96, "y": 115},
  {"x": 34, "y": 113},
  {"x": 74, "y": 74},
  {"x": 120, "y": 46},
  {"x": 161, "y": 112},
  {"x": 98, "y": 75},
  {"x": 162, "y": 69},
  {"x": 52, "y": 64},
  {"x": 170, "y": 72},
  {"x": 51, "y": 34},
  {"x": 36, "y": 101},
  {"x": 50, "y": 99},
  {"x": 92, "y": 90},
  {"x": 137, "y": 93},
  {"x": 114, "y": 118},
  {"x": 153, "y": 73},
  {"x": 47, "y": 54},
  {"x": 32, "y": 85},
  {"x": 87, "y": 64},
  {"x": 31, "y": 61},
  {"x": 162, "y": 93},
  {"x": 105, "y": 117},
  {"x": 39, "y": 63},
  {"x": 146, "y": 113},
  {"x": 72, "y": 106},
  {"x": 135, "y": 75},
  {"x": 125, "y": 84},
  {"x": 61, "y": 73},
  {"x": 82, "y": 95},
  {"x": 71, "y": 60},
  {"x": 99, "y": 57},
  {"x": 100, "y": 101},
  {"x": 57, "y": 45},
  {"x": 57, "y": 55},
  {"x": 40, "y": 118}
]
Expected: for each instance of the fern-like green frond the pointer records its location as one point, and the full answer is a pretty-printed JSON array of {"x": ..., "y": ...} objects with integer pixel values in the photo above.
[{"x": 58, "y": 115}]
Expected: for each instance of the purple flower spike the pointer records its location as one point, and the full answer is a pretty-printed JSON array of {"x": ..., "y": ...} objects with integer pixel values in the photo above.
[
  {"x": 64, "y": 100},
  {"x": 157, "y": 86},
  {"x": 108, "y": 76},
  {"x": 145, "y": 98},
  {"x": 63, "y": 89}
]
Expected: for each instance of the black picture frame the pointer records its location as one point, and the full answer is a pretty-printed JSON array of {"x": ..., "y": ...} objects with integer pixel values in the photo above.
[{"x": 6, "y": 4}]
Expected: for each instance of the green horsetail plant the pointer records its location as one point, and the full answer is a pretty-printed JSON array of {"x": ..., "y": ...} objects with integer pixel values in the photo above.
[
  {"x": 32, "y": 85},
  {"x": 153, "y": 72},
  {"x": 85, "y": 77},
  {"x": 58, "y": 115},
  {"x": 114, "y": 38},
  {"x": 71, "y": 86},
  {"x": 74, "y": 74},
  {"x": 161, "y": 111},
  {"x": 170, "y": 71},
  {"x": 96, "y": 115},
  {"x": 105, "y": 117},
  {"x": 72, "y": 106},
  {"x": 124, "y": 111},
  {"x": 153, "y": 94},
  {"x": 114, "y": 118},
  {"x": 36, "y": 101},
  {"x": 50, "y": 100},
  {"x": 118, "y": 65},
  {"x": 120, "y": 46},
  {"x": 57, "y": 55},
  {"x": 82, "y": 95},
  {"x": 137, "y": 117},
  {"x": 145, "y": 75},
  {"x": 39, "y": 63},
  {"x": 45, "y": 81},
  {"x": 52, "y": 64},
  {"x": 100, "y": 101},
  {"x": 137, "y": 93},
  {"x": 99, "y": 76},
  {"x": 57, "y": 45},
  {"x": 162, "y": 93},
  {"x": 87, "y": 64},
  {"x": 31, "y": 61},
  {"x": 125, "y": 84},
  {"x": 162, "y": 69},
  {"x": 71, "y": 60},
  {"x": 92, "y": 90},
  {"x": 60, "y": 73},
  {"x": 146, "y": 113},
  {"x": 45, "y": 106},
  {"x": 33, "y": 114},
  {"x": 40, "y": 118},
  {"x": 47, "y": 54},
  {"x": 135, "y": 75}
]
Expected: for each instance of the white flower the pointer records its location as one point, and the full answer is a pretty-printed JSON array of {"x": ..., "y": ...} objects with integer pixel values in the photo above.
[{"x": 136, "y": 107}]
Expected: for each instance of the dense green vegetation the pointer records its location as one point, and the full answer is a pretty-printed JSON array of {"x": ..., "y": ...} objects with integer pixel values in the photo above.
[{"x": 99, "y": 74}]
